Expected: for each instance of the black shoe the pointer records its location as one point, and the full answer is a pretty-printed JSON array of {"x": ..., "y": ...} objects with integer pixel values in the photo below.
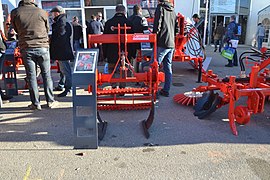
[
  {"x": 164, "y": 93},
  {"x": 58, "y": 88},
  {"x": 228, "y": 65},
  {"x": 6, "y": 97},
  {"x": 235, "y": 64},
  {"x": 215, "y": 50},
  {"x": 64, "y": 93}
]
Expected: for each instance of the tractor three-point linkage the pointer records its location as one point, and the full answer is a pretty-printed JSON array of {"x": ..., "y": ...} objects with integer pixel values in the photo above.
[{"x": 130, "y": 97}]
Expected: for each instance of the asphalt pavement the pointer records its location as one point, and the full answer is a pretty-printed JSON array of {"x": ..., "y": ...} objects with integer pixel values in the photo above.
[{"x": 39, "y": 144}]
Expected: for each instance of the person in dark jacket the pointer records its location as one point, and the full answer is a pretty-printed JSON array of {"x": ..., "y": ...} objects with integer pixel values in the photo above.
[
  {"x": 165, "y": 26},
  {"x": 77, "y": 33},
  {"x": 95, "y": 27},
  {"x": 139, "y": 22},
  {"x": 32, "y": 25},
  {"x": 218, "y": 36},
  {"x": 110, "y": 51},
  {"x": 199, "y": 24},
  {"x": 100, "y": 19},
  {"x": 61, "y": 46},
  {"x": 231, "y": 34},
  {"x": 139, "y": 26}
]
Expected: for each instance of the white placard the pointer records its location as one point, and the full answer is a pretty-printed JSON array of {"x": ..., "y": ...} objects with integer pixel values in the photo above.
[{"x": 222, "y": 6}]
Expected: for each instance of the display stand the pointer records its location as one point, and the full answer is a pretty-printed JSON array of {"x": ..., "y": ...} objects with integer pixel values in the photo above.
[{"x": 85, "y": 104}]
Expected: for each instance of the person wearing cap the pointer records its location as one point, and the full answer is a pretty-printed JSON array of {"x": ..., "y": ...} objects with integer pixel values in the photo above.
[
  {"x": 32, "y": 26},
  {"x": 110, "y": 50},
  {"x": 165, "y": 26},
  {"x": 61, "y": 46}
]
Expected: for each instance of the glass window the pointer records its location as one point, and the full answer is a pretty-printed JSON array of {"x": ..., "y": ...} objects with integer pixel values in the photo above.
[
  {"x": 102, "y": 2},
  {"x": 48, "y": 5}
]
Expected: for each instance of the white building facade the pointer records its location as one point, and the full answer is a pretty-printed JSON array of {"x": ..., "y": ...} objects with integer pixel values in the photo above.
[{"x": 253, "y": 19}]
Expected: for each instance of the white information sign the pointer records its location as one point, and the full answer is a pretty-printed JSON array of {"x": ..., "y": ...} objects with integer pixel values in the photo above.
[{"x": 223, "y": 6}]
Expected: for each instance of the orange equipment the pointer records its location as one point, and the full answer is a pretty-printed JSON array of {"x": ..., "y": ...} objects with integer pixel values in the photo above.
[
  {"x": 256, "y": 87},
  {"x": 186, "y": 34},
  {"x": 128, "y": 98}
]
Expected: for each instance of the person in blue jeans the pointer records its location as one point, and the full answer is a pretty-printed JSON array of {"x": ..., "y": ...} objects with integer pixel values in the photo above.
[
  {"x": 260, "y": 35},
  {"x": 165, "y": 26},
  {"x": 32, "y": 25}
]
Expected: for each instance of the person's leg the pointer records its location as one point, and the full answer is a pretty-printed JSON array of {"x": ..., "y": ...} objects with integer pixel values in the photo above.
[
  {"x": 61, "y": 83},
  {"x": 215, "y": 43},
  {"x": 2, "y": 59},
  {"x": 260, "y": 41},
  {"x": 167, "y": 66},
  {"x": 31, "y": 74},
  {"x": 235, "y": 58},
  {"x": 220, "y": 45},
  {"x": 66, "y": 70},
  {"x": 76, "y": 45},
  {"x": 115, "y": 75},
  {"x": 45, "y": 67}
]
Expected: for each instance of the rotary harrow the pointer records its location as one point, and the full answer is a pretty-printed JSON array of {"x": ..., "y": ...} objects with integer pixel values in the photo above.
[
  {"x": 255, "y": 87},
  {"x": 129, "y": 97}
]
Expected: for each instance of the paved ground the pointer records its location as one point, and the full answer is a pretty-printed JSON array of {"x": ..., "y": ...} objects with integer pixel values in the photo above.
[{"x": 39, "y": 145}]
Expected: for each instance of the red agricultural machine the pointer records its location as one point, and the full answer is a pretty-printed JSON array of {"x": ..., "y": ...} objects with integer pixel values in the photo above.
[
  {"x": 255, "y": 87},
  {"x": 130, "y": 97}
]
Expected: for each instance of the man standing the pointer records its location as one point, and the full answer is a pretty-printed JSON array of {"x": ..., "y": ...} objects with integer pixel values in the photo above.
[
  {"x": 100, "y": 19},
  {"x": 139, "y": 26},
  {"x": 111, "y": 50},
  {"x": 61, "y": 46},
  {"x": 139, "y": 22},
  {"x": 199, "y": 24},
  {"x": 78, "y": 34},
  {"x": 165, "y": 26},
  {"x": 231, "y": 34},
  {"x": 260, "y": 35},
  {"x": 32, "y": 25},
  {"x": 95, "y": 27}
]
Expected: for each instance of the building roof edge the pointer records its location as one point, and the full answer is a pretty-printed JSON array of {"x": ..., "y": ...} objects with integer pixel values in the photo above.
[{"x": 263, "y": 9}]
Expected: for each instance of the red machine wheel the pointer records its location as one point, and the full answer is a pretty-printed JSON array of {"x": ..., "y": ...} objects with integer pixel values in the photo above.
[{"x": 242, "y": 115}]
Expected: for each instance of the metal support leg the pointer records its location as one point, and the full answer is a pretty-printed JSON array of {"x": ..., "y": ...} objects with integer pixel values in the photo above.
[
  {"x": 200, "y": 72},
  {"x": 102, "y": 127},
  {"x": 149, "y": 121}
]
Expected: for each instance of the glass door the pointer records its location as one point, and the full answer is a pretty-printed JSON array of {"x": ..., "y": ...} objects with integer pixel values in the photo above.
[{"x": 226, "y": 20}]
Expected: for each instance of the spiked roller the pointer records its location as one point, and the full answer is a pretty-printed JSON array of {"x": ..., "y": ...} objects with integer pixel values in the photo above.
[{"x": 188, "y": 98}]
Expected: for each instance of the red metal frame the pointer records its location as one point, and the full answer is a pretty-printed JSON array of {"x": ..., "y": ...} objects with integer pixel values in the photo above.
[
  {"x": 180, "y": 40},
  {"x": 256, "y": 87},
  {"x": 152, "y": 78}
]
